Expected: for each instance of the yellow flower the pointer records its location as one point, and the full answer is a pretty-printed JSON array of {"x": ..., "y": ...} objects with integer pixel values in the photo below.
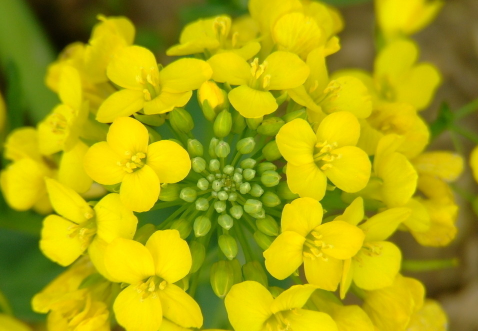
[
  {"x": 250, "y": 307},
  {"x": 135, "y": 69},
  {"x": 442, "y": 164},
  {"x": 328, "y": 153},
  {"x": 321, "y": 247},
  {"x": 151, "y": 271},
  {"x": 430, "y": 317},
  {"x": 474, "y": 163},
  {"x": 125, "y": 157},
  {"x": 252, "y": 98},
  {"x": 3, "y": 113},
  {"x": 10, "y": 323},
  {"x": 64, "y": 238}
]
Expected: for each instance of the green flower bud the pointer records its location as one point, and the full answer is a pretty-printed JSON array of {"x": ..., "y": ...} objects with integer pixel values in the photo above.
[
  {"x": 252, "y": 206},
  {"x": 264, "y": 166},
  {"x": 256, "y": 190},
  {"x": 260, "y": 214},
  {"x": 301, "y": 113},
  {"x": 244, "y": 188},
  {"x": 249, "y": 174},
  {"x": 202, "y": 204},
  {"x": 228, "y": 170},
  {"x": 271, "y": 151},
  {"x": 198, "y": 164},
  {"x": 203, "y": 184},
  {"x": 246, "y": 145},
  {"x": 152, "y": 120},
  {"x": 198, "y": 253},
  {"x": 225, "y": 221},
  {"x": 238, "y": 123},
  {"x": 268, "y": 226},
  {"x": 222, "y": 149},
  {"x": 270, "y": 126},
  {"x": 183, "y": 226},
  {"x": 216, "y": 185},
  {"x": 284, "y": 192},
  {"x": 237, "y": 177},
  {"x": 222, "y": 277},
  {"x": 248, "y": 163},
  {"x": 270, "y": 199},
  {"x": 236, "y": 211},
  {"x": 153, "y": 135},
  {"x": 228, "y": 246},
  {"x": 270, "y": 178},
  {"x": 181, "y": 120},
  {"x": 232, "y": 196},
  {"x": 143, "y": 233},
  {"x": 214, "y": 165},
  {"x": 254, "y": 271},
  {"x": 195, "y": 148},
  {"x": 169, "y": 192},
  {"x": 220, "y": 206},
  {"x": 211, "y": 99},
  {"x": 253, "y": 123},
  {"x": 179, "y": 142},
  {"x": 212, "y": 147},
  {"x": 202, "y": 225},
  {"x": 263, "y": 240},
  {"x": 222, "y": 124},
  {"x": 188, "y": 194},
  {"x": 223, "y": 195}
]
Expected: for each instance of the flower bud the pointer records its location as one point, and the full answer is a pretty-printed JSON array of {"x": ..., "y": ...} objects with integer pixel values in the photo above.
[
  {"x": 244, "y": 188},
  {"x": 198, "y": 164},
  {"x": 260, "y": 214},
  {"x": 256, "y": 190},
  {"x": 270, "y": 199},
  {"x": 198, "y": 253},
  {"x": 202, "y": 204},
  {"x": 236, "y": 211},
  {"x": 203, "y": 184},
  {"x": 188, "y": 194},
  {"x": 195, "y": 148},
  {"x": 212, "y": 147},
  {"x": 183, "y": 226},
  {"x": 249, "y": 174},
  {"x": 222, "y": 195},
  {"x": 216, "y": 185},
  {"x": 232, "y": 196},
  {"x": 211, "y": 98},
  {"x": 253, "y": 123},
  {"x": 225, "y": 221},
  {"x": 237, "y": 177},
  {"x": 238, "y": 123},
  {"x": 246, "y": 145},
  {"x": 264, "y": 166},
  {"x": 181, "y": 120},
  {"x": 220, "y": 206},
  {"x": 228, "y": 170},
  {"x": 222, "y": 124},
  {"x": 252, "y": 206},
  {"x": 202, "y": 225},
  {"x": 228, "y": 246},
  {"x": 153, "y": 135},
  {"x": 143, "y": 233},
  {"x": 214, "y": 165},
  {"x": 270, "y": 126},
  {"x": 263, "y": 240},
  {"x": 222, "y": 277},
  {"x": 254, "y": 271},
  {"x": 284, "y": 192},
  {"x": 169, "y": 192},
  {"x": 152, "y": 120},
  {"x": 248, "y": 163},
  {"x": 270, "y": 178},
  {"x": 268, "y": 226},
  {"x": 301, "y": 113},
  {"x": 222, "y": 149},
  {"x": 271, "y": 151}
]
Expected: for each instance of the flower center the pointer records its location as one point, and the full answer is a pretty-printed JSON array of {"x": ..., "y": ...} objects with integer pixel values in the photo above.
[
  {"x": 259, "y": 80},
  {"x": 150, "y": 287},
  {"x": 278, "y": 322},
  {"x": 150, "y": 80},
  {"x": 84, "y": 231},
  {"x": 133, "y": 162},
  {"x": 324, "y": 154},
  {"x": 314, "y": 243}
]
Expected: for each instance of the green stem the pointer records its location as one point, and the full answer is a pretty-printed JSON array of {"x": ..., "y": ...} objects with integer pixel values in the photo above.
[
  {"x": 242, "y": 240},
  {"x": 463, "y": 193},
  {"x": 457, "y": 143},
  {"x": 467, "y": 110},
  {"x": 428, "y": 265},
  {"x": 173, "y": 216},
  {"x": 465, "y": 133},
  {"x": 166, "y": 204}
]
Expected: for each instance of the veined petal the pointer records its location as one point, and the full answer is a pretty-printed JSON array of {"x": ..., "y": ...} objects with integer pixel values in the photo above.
[
  {"x": 294, "y": 297},
  {"x": 102, "y": 164},
  {"x": 352, "y": 318},
  {"x": 248, "y": 306},
  {"x": 56, "y": 242},
  {"x": 127, "y": 137},
  {"x": 443, "y": 164},
  {"x": 231, "y": 68},
  {"x": 128, "y": 261},
  {"x": 386, "y": 63},
  {"x": 302, "y": 216},
  {"x": 308, "y": 320},
  {"x": 252, "y": 103},
  {"x": 169, "y": 161},
  {"x": 179, "y": 307},
  {"x": 296, "y": 141},
  {"x": 286, "y": 247},
  {"x": 22, "y": 143},
  {"x": 140, "y": 190},
  {"x": 299, "y": 94},
  {"x": 70, "y": 87},
  {"x": 166, "y": 101},
  {"x": 419, "y": 220},
  {"x": 135, "y": 313},
  {"x": 119, "y": 104},
  {"x": 345, "y": 239},
  {"x": 96, "y": 252},
  {"x": 354, "y": 213},
  {"x": 286, "y": 70},
  {"x": 184, "y": 75},
  {"x": 347, "y": 277},
  {"x": 382, "y": 225},
  {"x": 341, "y": 127},
  {"x": 306, "y": 180},
  {"x": 71, "y": 171},
  {"x": 171, "y": 255},
  {"x": 113, "y": 219},
  {"x": 324, "y": 274}
]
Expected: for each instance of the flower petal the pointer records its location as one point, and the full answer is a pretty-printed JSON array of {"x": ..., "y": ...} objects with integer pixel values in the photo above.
[
  {"x": 324, "y": 274},
  {"x": 121, "y": 103},
  {"x": 140, "y": 190},
  {"x": 128, "y": 136},
  {"x": 286, "y": 247},
  {"x": 382, "y": 225},
  {"x": 96, "y": 252},
  {"x": 341, "y": 128},
  {"x": 252, "y": 103},
  {"x": 294, "y": 297},
  {"x": 101, "y": 164},
  {"x": 169, "y": 160},
  {"x": 301, "y": 216},
  {"x": 306, "y": 180},
  {"x": 166, "y": 102},
  {"x": 286, "y": 70},
  {"x": 346, "y": 239},
  {"x": 308, "y": 320},
  {"x": 71, "y": 171},
  {"x": 184, "y": 75},
  {"x": 179, "y": 307},
  {"x": 296, "y": 141},
  {"x": 231, "y": 68}
]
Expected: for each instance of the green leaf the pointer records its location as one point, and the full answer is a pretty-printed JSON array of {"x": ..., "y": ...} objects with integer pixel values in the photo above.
[{"x": 444, "y": 121}]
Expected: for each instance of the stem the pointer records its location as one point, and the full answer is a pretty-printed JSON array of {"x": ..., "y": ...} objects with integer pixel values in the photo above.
[
  {"x": 429, "y": 265},
  {"x": 166, "y": 204},
  {"x": 463, "y": 193},
  {"x": 467, "y": 109},
  {"x": 242, "y": 240},
  {"x": 171, "y": 217},
  {"x": 465, "y": 133},
  {"x": 457, "y": 143}
]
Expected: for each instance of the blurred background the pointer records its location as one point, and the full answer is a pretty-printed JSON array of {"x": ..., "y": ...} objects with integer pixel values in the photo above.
[{"x": 33, "y": 32}]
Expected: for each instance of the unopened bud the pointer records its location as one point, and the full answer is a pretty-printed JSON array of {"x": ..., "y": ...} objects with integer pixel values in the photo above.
[
  {"x": 216, "y": 185},
  {"x": 256, "y": 190},
  {"x": 263, "y": 240},
  {"x": 237, "y": 177},
  {"x": 301, "y": 113},
  {"x": 248, "y": 163},
  {"x": 265, "y": 166},
  {"x": 253, "y": 123},
  {"x": 222, "y": 149},
  {"x": 270, "y": 199},
  {"x": 198, "y": 164},
  {"x": 195, "y": 148},
  {"x": 202, "y": 225},
  {"x": 232, "y": 196},
  {"x": 236, "y": 211},
  {"x": 260, "y": 214},
  {"x": 252, "y": 206},
  {"x": 222, "y": 277},
  {"x": 246, "y": 145},
  {"x": 222, "y": 195},
  {"x": 188, "y": 194},
  {"x": 203, "y": 184},
  {"x": 238, "y": 123},
  {"x": 228, "y": 170},
  {"x": 254, "y": 271},
  {"x": 211, "y": 98},
  {"x": 212, "y": 147},
  {"x": 220, "y": 206},
  {"x": 181, "y": 120},
  {"x": 214, "y": 165},
  {"x": 225, "y": 221},
  {"x": 228, "y": 246},
  {"x": 284, "y": 192},
  {"x": 268, "y": 226},
  {"x": 222, "y": 124},
  {"x": 249, "y": 174},
  {"x": 153, "y": 135},
  {"x": 270, "y": 178},
  {"x": 271, "y": 151},
  {"x": 143, "y": 233},
  {"x": 183, "y": 226},
  {"x": 151, "y": 120},
  {"x": 202, "y": 204},
  {"x": 244, "y": 188},
  {"x": 169, "y": 192},
  {"x": 198, "y": 253},
  {"x": 270, "y": 126}
]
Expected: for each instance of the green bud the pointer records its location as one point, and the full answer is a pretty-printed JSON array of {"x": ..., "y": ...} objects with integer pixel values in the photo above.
[
  {"x": 249, "y": 174},
  {"x": 284, "y": 192},
  {"x": 225, "y": 221},
  {"x": 270, "y": 199},
  {"x": 270, "y": 126},
  {"x": 237, "y": 177},
  {"x": 203, "y": 184},
  {"x": 237, "y": 271},
  {"x": 268, "y": 226},
  {"x": 254, "y": 271},
  {"x": 222, "y": 149},
  {"x": 216, "y": 185},
  {"x": 195, "y": 148},
  {"x": 188, "y": 194},
  {"x": 212, "y": 147},
  {"x": 211, "y": 98},
  {"x": 169, "y": 192},
  {"x": 228, "y": 170},
  {"x": 244, "y": 188},
  {"x": 232, "y": 196},
  {"x": 248, "y": 163},
  {"x": 263, "y": 240},
  {"x": 222, "y": 195},
  {"x": 152, "y": 120},
  {"x": 256, "y": 190},
  {"x": 246, "y": 145},
  {"x": 214, "y": 165},
  {"x": 183, "y": 226},
  {"x": 198, "y": 253},
  {"x": 202, "y": 204},
  {"x": 208, "y": 111},
  {"x": 236, "y": 211},
  {"x": 252, "y": 206},
  {"x": 264, "y": 166},
  {"x": 143, "y": 233},
  {"x": 260, "y": 214},
  {"x": 153, "y": 135},
  {"x": 115, "y": 188},
  {"x": 301, "y": 113},
  {"x": 271, "y": 151},
  {"x": 228, "y": 246},
  {"x": 220, "y": 206},
  {"x": 222, "y": 124},
  {"x": 198, "y": 164},
  {"x": 181, "y": 120},
  {"x": 202, "y": 225},
  {"x": 270, "y": 178},
  {"x": 253, "y": 123},
  {"x": 238, "y": 123},
  {"x": 222, "y": 277}
]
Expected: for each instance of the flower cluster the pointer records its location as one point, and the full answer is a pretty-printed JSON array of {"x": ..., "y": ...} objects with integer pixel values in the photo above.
[{"x": 279, "y": 171}]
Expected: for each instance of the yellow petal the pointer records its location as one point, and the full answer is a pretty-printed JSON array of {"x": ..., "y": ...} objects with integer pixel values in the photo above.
[
  {"x": 299, "y": 94},
  {"x": 22, "y": 143},
  {"x": 443, "y": 164},
  {"x": 419, "y": 220},
  {"x": 96, "y": 252},
  {"x": 129, "y": 63},
  {"x": 101, "y": 164},
  {"x": 345, "y": 239},
  {"x": 352, "y": 318},
  {"x": 140, "y": 190},
  {"x": 71, "y": 172},
  {"x": 166, "y": 102},
  {"x": 121, "y": 103},
  {"x": 474, "y": 162},
  {"x": 113, "y": 219},
  {"x": 431, "y": 316},
  {"x": 306, "y": 180},
  {"x": 341, "y": 127},
  {"x": 70, "y": 87},
  {"x": 252, "y": 103},
  {"x": 184, "y": 75},
  {"x": 171, "y": 255},
  {"x": 397, "y": 58},
  {"x": 128, "y": 136},
  {"x": 128, "y": 261},
  {"x": 248, "y": 306},
  {"x": 286, "y": 71},
  {"x": 9, "y": 323},
  {"x": 302, "y": 216},
  {"x": 347, "y": 277},
  {"x": 286, "y": 247},
  {"x": 308, "y": 320},
  {"x": 294, "y": 297},
  {"x": 354, "y": 213},
  {"x": 135, "y": 313},
  {"x": 56, "y": 242},
  {"x": 324, "y": 274},
  {"x": 180, "y": 308},
  {"x": 319, "y": 77},
  {"x": 376, "y": 265},
  {"x": 296, "y": 141},
  {"x": 382, "y": 225},
  {"x": 169, "y": 160},
  {"x": 350, "y": 171},
  {"x": 231, "y": 68}
]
